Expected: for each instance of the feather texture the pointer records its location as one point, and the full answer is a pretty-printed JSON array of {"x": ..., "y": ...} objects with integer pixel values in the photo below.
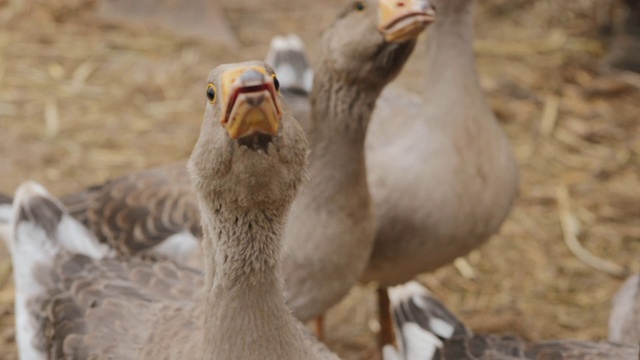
[{"x": 139, "y": 211}]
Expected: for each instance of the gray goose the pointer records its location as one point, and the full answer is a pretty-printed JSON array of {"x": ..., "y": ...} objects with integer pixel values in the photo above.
[
  {"x": 328, "y": 240},
  {"x": 246, "y": 169},
  {"x": 428, "y": 330},
  {"x": 624, "y": 320},
  {"x": 441, "y": 170}
]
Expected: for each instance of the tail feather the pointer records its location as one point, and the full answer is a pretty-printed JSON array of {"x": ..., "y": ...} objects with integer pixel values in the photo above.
[
  {"x": 34, "y": 246},
  {"x": 287, "y": 57},
  {"x": 35, "y": 206},
  {"x": 427, "y": 330},
  {"x": 422, "y": 322},
  {"x": 42, "y": 233}
]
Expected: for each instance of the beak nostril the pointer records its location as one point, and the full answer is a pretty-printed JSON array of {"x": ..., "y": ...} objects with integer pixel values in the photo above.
[
  {"x": 255, "y": 101},
  {"x": 400, "y": 3}
]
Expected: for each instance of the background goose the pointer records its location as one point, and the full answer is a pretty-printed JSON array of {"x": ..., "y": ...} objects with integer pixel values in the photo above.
[
  {"x": 330, "y": 235},
  {"x": 246, "y": 168},
  {"x": 624, "y": 320},
  {"x": 428, "y": 330},
  {"x": 441, "y": 170},
  {"x": 328, "y": 240}
]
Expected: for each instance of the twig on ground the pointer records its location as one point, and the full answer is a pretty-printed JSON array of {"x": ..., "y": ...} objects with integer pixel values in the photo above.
[
  {"x": 570, "y": 232},
  {"x": 464, "y": 268}
]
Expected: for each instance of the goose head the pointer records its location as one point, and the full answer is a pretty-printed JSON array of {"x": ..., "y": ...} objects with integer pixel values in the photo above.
[
  {"x": 371, "y": 39},
  {"x": 247, "y": 135}
]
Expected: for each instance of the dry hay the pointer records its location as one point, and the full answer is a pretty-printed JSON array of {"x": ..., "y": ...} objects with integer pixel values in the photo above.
[{"x": 82, "y": 100}]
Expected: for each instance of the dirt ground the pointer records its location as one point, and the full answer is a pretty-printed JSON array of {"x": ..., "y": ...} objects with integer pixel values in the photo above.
[{"x": 82, "y": 100}]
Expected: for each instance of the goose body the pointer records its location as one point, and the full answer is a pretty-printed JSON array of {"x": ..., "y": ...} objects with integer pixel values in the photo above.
[
  {"x": 78, "y": 304},
  {"x": 428, "y": 330},
  {"x": 328, "y": 240}
]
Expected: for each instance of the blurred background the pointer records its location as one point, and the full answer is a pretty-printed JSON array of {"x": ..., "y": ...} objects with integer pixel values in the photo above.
[{"x": 91, "y": 89}]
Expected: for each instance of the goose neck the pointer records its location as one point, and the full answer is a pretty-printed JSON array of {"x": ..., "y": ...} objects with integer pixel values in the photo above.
[{"x": 244, "y": 310}]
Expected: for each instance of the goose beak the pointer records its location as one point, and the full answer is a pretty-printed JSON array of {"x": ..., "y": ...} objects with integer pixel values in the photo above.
[
  {"x": 250, "y": 104},
  {"x": 401, "y": 20}
]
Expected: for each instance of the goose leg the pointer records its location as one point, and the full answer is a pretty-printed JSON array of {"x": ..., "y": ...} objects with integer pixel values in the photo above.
[
  {"x": 386, "y": 335},
  {"x": 319, "y": 321}
]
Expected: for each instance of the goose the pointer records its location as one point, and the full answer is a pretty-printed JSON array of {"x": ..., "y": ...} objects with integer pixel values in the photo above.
[
  {"x": 624, "y": 319},
  {"x": 246, "y": 168},
  {"x": 441, "y": 170},
  {"x": 328, "y": 240},
  {"x": 428, "y": 330}
]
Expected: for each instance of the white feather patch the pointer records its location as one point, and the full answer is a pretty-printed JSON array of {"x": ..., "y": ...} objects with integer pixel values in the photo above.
[
  {"x": 77, "y": 239},
  {"x": 30, "y": 249},
  {"x": 441, "y": 327},
  {"x": 390, "y": 353},
  {"x": 180, "y": 247},
  {"x": 419, "y": 344}
]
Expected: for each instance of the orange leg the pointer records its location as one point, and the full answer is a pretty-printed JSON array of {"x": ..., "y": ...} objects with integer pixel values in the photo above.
[
  {"x": 320, "y": 327},
  {"x": 386, "y": 335}
]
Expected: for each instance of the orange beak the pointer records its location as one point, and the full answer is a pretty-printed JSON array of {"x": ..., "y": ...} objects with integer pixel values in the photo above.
[
  {"x": 250, "y": 104},
  {"x": 401, "y": 20}
]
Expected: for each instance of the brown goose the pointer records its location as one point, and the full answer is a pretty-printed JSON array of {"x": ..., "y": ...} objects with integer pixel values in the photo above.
[
  {"x": 441, "y": 170},
  {"x": 328, "y": 239},
  {"x": 428, "y": 330},
  {"x": 624, "y": 320},
  {"x": 246, "y": 168}
]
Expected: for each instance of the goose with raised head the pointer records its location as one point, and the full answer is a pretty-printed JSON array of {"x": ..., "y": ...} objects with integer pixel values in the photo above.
[
  {"x": 330, "y": 236},
  {"x": 328, "y": 240},
  {"x": 441, "y": 170},
  {"x": 427, "y": 330},
  {"x": 246, "y": 169}
]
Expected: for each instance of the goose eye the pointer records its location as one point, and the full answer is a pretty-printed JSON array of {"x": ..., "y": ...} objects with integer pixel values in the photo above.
[
  {"x": 211, "y": 93},
  {"x": 359, "y": 6},
  {"x": 276, "y": 82}
]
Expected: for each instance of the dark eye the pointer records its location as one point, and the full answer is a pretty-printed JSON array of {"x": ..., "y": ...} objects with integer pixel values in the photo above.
[
  {"x": 358, "y": 6},
  {"x": 211, "y": 92},
  {"x": 276, "y": 82}
]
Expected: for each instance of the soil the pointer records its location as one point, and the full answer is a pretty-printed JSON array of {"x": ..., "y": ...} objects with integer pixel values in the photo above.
[{"x": 83, "y": 100}]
